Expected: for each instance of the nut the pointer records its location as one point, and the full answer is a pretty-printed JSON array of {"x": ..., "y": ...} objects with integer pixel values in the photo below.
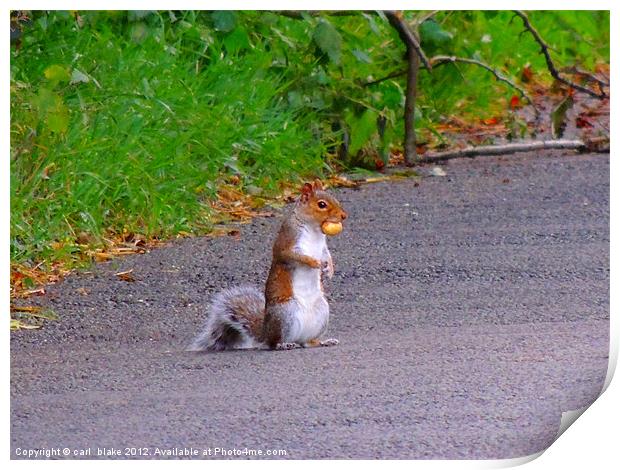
[{"x": 331, "y": 228}]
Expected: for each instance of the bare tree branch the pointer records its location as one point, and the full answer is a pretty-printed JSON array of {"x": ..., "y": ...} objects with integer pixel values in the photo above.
[
  {"x": 398, "y": 73},
  {"x": 589, "y": 76},
  {"x": 414, "y": 55},
  {"x": 413, "y": 67},
  {"x": 443, "y": 59},
  {"x": 490, "y": 150},
  {"x": 407, "y": 36},
  {"x": 550, "y": 64}
]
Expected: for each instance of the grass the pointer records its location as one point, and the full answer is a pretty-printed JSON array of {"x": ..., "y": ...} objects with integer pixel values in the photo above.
[
  {"x": 147, "y": 140},
  {"x": 131, "y": 122}
]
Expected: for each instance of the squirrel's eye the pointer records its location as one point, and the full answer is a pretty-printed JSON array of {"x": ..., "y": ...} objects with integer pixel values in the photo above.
[{"x": 322, "y": 204}]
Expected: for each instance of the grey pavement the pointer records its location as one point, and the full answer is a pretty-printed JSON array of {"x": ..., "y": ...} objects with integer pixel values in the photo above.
[{"x": 472, "y": 309}]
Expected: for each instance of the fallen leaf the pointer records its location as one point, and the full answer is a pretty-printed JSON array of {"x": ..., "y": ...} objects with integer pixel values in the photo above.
[
  {"x": 527, "y": 74},
  {"x": 82, "y": 291},
  {"x": 490, "y": 121},
  {"x": 100, "y": 256},
  {"x": 126, "y": 276},
  {"x": 340, "y": 181},
  {"x": 438, "y": 171},
  {"x": 84, "y": 238},
  {"x": 45, "y": 174},
  {"x": 582, "y": 122},
  {"x": 28, "y": 293},
  {"x": 20, "y": 325},
  {"x": 25, "y": 309},
  {"x": 514, "y": 102},
  {"x": 34, "y": 311},
  {"x": 125, "y": 250}
]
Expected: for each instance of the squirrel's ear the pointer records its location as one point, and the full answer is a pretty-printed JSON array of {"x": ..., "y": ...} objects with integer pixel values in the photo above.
[
  {"x": 317, "y": 185},
  {"x": 306, "y": 191}
]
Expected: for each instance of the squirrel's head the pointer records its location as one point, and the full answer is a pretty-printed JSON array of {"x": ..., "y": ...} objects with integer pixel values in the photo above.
[{"x": 316, "y": 206}]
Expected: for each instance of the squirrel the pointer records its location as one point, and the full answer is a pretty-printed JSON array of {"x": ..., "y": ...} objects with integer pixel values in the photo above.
[{"x": 292, "y": 312}]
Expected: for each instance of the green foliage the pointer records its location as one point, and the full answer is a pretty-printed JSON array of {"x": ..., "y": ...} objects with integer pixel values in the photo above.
[
  {"x": 432, "y": 36},
  {"x": 109, "y": 132},
  {"x": 329, "y": 40},
  {"x": 129, "y": 120},
  {"x": 363, "y": 127}
]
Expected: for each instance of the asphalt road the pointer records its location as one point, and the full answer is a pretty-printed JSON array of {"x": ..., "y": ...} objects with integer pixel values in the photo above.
[{"x": 472, "y": 309}]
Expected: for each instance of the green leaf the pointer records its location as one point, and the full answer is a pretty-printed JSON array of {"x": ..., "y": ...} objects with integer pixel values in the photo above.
[
  {"x": 58, "y": 120},
  {"x": 148, "y": 90},
  {"x": 328, "y": 39},
  {"x": 224, "y": 20},
  {"x": 42, "y": 22},
  {"x": 392, "y": 94},
  {"x": 558, "y": 117},
  {"x": 306, "y": 16},
  {"x": 372, "y": 23},
  {"x": 45, "y": 100},
  {"x": 362, "y": 56},
  {"x": 432, "y": 33},
  {"x": 362, "y": 129},
  {"x": 52, "y": 110},
  {"x": 57, "y": 73},
  {"x": 139, "y": 31},
  {"x": 237, "y": 41}
]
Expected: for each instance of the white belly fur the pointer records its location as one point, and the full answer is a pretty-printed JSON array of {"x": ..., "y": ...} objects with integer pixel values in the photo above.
[{"x": 313, "y": 309}]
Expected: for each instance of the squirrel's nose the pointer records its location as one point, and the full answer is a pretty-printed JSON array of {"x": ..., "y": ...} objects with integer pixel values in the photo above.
[{"x": 343, "y": 215}]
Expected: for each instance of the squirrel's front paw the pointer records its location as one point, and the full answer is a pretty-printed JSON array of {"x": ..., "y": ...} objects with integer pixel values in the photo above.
[
  {"x": 286, "y": 346},
  {"x": 314, "y": 263},
  {"x": 328, "y": 268},
  {"x": 330, "y": 342}
]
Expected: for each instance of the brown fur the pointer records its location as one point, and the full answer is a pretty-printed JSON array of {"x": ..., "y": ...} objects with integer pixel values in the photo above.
[
  {"x": 272, "y": 330},
  {"x": 279, "y": 287},
  {"x": 309, "y": 205}
]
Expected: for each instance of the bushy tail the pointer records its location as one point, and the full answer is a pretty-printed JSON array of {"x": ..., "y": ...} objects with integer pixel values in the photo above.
[{"x": 234, "y": 321}]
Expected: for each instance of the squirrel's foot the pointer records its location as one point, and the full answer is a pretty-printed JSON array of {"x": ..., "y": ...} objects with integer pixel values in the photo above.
[
  {"x": 330, "y": 342},
  {"x": 313, "y": 343},
  {"x": 286, "y": 346}
]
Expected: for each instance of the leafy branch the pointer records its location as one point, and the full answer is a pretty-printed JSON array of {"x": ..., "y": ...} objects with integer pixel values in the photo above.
[
  {"x": 443, "y": 59},
  {"x": 544, "y": 48},
  {"x": 408, "y": 32}
]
